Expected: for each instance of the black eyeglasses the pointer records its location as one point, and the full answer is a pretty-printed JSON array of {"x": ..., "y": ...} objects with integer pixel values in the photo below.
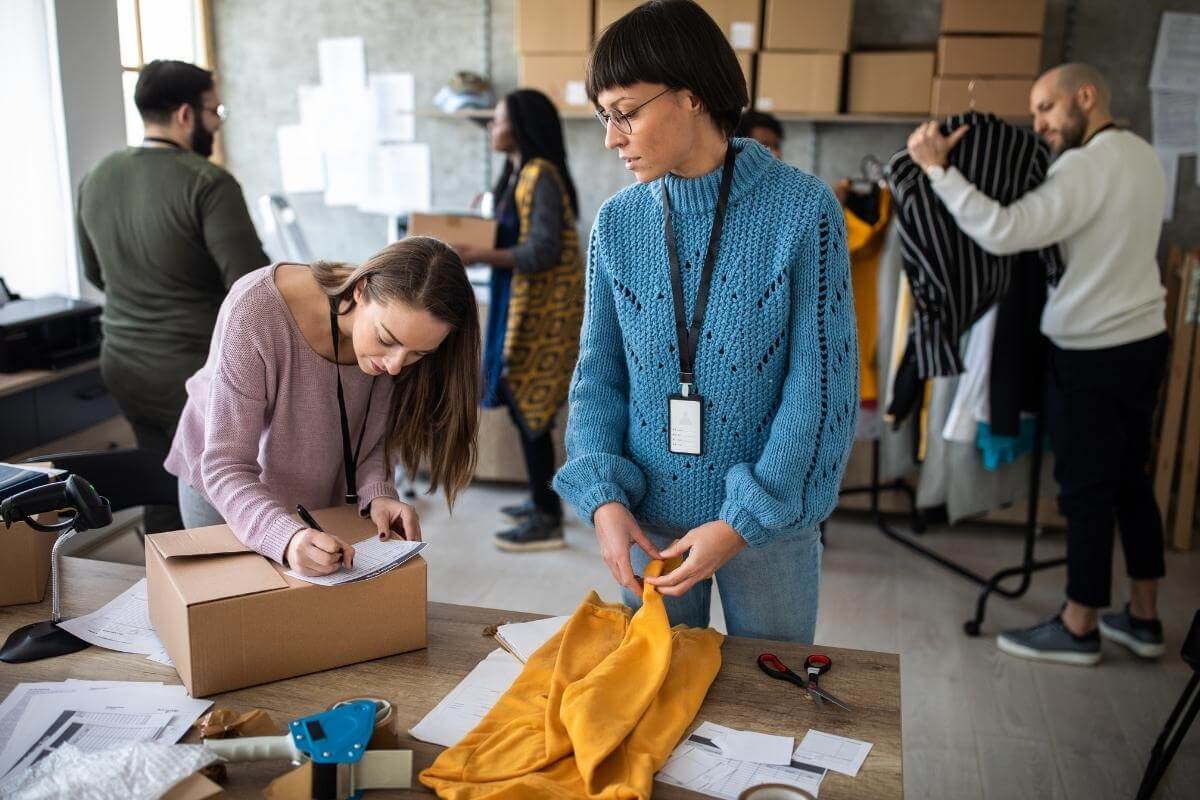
[
  {"x": 623, "y": 121},
  {"x": 219, "y": 111}
]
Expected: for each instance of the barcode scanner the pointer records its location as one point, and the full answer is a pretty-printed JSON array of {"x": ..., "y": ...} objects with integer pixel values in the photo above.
[{"x": 84, "y": 510}]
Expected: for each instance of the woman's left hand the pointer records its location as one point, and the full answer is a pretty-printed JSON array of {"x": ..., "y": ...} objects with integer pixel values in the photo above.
[
  {"x": 708, "y": 547},
  {"x": 395, "y": 520}
]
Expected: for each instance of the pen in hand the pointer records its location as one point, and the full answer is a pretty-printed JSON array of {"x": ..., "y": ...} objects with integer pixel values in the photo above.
[{"x": 311, "y": 522}]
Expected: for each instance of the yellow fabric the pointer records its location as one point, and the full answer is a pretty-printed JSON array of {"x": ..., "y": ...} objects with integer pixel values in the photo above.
[
  {"x": 594, "y": 714},
  {"x": 865, "y": 241},
  {"x": 545, "y": 313}
]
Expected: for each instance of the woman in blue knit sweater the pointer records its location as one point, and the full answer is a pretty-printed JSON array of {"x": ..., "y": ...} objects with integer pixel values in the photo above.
[{"x": 736, "y": 460}]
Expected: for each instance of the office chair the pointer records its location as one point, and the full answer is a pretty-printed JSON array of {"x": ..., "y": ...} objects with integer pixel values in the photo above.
[
  {"x": 127, "y": 477},
  {"x": 1181, "y": 717},
  {"x": 281, "y": 230}
]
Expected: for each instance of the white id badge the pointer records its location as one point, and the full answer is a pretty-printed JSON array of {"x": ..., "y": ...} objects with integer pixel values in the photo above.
[{"x": 686, "y": 424}]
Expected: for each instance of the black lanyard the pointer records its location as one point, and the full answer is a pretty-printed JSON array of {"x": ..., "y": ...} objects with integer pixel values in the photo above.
[
  {"x": 160, "y": 140},
  {"x": 689, "y": 339},
  {"x": 1100, "y": 130},
  {"x": 350, "y": 459}
]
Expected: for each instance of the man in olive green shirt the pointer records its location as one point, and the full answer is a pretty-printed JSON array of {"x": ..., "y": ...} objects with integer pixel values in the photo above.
[{"x": 164, "y": 233}]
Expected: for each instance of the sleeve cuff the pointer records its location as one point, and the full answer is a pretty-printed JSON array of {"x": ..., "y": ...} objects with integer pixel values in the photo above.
[
  {"x": 745, "y": 524},
  {"x": 274, "y": 542},
  {"x": 598, "y": 495},
  {"x": 373, "y": 491}
]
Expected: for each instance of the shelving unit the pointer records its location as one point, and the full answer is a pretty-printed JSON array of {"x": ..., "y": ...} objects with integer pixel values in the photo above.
[{"x": 831, "y": 119}]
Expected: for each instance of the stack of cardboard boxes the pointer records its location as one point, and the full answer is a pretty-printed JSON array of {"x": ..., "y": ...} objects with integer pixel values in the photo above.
[
  {"x": 988, "y": 56},
  {"x": 553, "y": 38},
  {"x": 804, "y": 46}
]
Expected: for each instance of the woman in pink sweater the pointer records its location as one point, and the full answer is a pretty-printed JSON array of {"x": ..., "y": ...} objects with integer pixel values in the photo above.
[{"x": 319, "y": 378}]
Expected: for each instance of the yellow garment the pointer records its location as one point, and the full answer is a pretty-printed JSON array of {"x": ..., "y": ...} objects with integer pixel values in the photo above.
[
  {"x": 545, "y": 313},
  {"x": 594, "y": 714},
  {"x": 865, "y": 241}
]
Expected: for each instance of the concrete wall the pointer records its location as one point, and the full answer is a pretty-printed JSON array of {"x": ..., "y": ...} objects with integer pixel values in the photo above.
[{"x": 266, "y": 48}]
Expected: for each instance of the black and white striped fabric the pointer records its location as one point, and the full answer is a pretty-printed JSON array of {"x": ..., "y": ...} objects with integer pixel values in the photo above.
[{"x": 954, "y": 280}]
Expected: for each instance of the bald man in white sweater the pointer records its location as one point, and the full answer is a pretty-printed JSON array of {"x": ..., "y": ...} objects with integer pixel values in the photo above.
[{"x": 1102, "y": 204}]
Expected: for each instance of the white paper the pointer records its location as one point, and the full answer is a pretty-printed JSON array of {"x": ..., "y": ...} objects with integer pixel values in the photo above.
[
  {"x": 397, "y": 179},
  {"x": 833, "y": 752},
  {"x": 761, "y": 748},
  {"x": 161, "y": 657},
  {"x": 342, "y": 62},
  {"x": 393, "y": 98},
  {"x": 522, "y": 639},
  {"x": 1170, "y": 164},
  {"x": 1177, "y": 53},
  {"x": 340, "y": 119},
  {"x": 1175, "y": 120},
  {"x": 122, "y": 624},
  {"x": 13, "y": 706},
  {"x": 469, "y": 701},
  {"x": 345, "y": 177},
  {"x": 741, "y": 35},
  {"x": 575, "y": 93},
  {"x": 372, "y": 558},
  {"x": 301, "y": 164},
  {"x": 697, "y": 764}
]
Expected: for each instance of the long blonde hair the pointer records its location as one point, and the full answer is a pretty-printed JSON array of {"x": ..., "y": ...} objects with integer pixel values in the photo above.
[{"x": 434, "y": 413}]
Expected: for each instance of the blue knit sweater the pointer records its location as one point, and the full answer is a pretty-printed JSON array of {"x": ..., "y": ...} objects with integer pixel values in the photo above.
[{"x": 777, "y": 363}]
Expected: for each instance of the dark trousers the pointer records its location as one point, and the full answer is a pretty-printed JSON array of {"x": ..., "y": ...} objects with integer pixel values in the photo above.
[
  {"x": 539, "y": 460},
  {"x": 1100, "y": 411}
]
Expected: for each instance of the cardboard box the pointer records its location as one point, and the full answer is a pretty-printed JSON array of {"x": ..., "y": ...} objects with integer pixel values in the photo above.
[
  {"x": 746, "y": 60},
  {"x": 454, "y": 229},
  {"x": 989, "y": 56},
  {"x": 558, "y": 77},
  {"x": 740, "y": 20},
  {"x": 808, "y": 25},
  {"x": 552, "y": 26},
  {"x": 25, "y": 567},
  {"x": 894, "y": 82},
  {"x": 231, "y": 618},
  {"x": 993, "y": 16},
  {"x": 1004, "y": 97},
  {"x": 806, "y": 83},
  {"x": 609, "y": 11}
]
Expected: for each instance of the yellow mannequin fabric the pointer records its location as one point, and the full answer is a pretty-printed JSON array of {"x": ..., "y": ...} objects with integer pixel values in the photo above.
[
  {"x": 594, "y": 714},
  {"x": 865, "y": 241}
]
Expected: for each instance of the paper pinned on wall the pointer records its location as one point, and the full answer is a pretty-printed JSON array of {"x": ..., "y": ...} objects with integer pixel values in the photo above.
[
  {"x": 1175, "y": 116},
  {"x": 342, "y": 62},
  {"x": 397, "y": 179},
  {"x": 1177, "y": 53},
  {"x": 1170, "y": 164},
  {"x": 393, "y": 99},
  {"x": 301, "y": 164},
  {"x": 345, "y": 176},
  {"x": 339, "y": 119}
]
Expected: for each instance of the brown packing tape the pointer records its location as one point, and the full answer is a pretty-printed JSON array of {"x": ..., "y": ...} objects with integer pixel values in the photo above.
[
  {"x": 225, "y": 723},
  {"x": 385, "y": 736}
]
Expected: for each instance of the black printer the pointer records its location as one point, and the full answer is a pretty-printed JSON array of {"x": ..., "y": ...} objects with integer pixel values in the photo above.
[{"x": 46, "y": 332}]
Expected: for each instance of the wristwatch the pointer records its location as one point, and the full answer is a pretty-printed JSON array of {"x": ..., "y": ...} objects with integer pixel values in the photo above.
[{"x": 935, "y": 172}]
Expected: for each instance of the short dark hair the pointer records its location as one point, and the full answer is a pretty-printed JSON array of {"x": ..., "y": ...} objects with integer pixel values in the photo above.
[
  {"x": 677, "y": 44},
  {"x": 757, "y": 119},
  {"x": 164, "y": 86}
]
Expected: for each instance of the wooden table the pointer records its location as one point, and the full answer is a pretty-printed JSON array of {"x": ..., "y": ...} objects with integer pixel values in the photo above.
[{"x": 741, "y": 697}]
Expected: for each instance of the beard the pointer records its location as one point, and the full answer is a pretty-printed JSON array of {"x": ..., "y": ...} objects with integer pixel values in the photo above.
[
  {"x": 202, "y": 140},
  {"x": 1073, "y": 129}
]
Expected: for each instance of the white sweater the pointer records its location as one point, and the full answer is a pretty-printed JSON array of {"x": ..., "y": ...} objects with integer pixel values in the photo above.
[{"x": 1102, "y": 203}]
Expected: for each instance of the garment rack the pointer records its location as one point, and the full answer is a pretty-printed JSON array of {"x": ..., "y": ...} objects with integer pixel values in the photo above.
[{"x": 1029, "y": 564}]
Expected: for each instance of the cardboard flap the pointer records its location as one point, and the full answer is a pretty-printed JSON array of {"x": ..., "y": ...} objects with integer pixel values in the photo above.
[
  {"x": 211, "y": 563},
  {"x": 211, "y": 541}
]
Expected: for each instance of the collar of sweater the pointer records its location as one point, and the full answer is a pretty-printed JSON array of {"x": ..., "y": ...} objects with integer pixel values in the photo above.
[{"x": 699, "y": 195}]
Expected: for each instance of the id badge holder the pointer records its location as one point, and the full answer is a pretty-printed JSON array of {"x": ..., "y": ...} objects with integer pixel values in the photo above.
[{"x": 685, "y": 426}]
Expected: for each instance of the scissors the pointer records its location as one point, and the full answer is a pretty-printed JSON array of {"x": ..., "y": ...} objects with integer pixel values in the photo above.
[{"x": 815, "y": 665}]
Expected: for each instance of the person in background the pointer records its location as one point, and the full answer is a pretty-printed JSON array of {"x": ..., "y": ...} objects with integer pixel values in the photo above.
[
  {"x": 716, "y": 429},
  {"x": 1102, "y": 202},
  {"x": 762, "y": 128},
  {"x": 265, "y": 429},
  {"x": 163, "y": 233},
  {"x": 536, "y": 303}
]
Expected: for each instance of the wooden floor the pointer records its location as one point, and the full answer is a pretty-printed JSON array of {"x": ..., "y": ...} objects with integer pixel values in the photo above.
[{"x": 977, "y": 723}]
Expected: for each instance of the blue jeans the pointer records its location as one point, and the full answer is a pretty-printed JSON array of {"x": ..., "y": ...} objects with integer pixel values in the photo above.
[{"x": 767, "y": 592}]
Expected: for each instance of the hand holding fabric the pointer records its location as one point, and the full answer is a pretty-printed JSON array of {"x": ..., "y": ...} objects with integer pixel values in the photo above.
[
  {"x": 708, "y": 547},
  {"x": 615, "y": 529},
  {"x": 929, "y": 148}
]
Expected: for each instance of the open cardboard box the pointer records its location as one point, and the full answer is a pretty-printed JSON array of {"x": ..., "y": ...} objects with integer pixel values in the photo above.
[
  {"x": 231, "y": 618},
  {"x": 25, "y": 567}
]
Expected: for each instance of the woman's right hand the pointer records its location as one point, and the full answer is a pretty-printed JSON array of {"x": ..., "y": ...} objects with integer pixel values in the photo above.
[
  {"x": 615, "y": 529},
  {"x": 313, "y": 552}
]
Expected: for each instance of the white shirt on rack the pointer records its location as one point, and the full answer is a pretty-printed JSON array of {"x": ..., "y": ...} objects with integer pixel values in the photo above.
[{"x": 1102, "y": 203}]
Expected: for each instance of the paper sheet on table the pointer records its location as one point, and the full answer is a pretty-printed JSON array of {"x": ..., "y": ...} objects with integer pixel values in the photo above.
[
  {"x": 761, "y": 748},
  {"x": 342, "y": 62},
  {"x": 301, "y": 163},
  {"x": 1176, "y": 53},
  {"x": 697, "y": 764},
  {"x": 129, "y": 701},
  {"x": 372, "y": 558},
  {"x": 469, "y": 701},
  {"x": 122, "y": 623},
  {"x": 522, "y": 639},
  {"x": 1175, "y": 120},
  {"x": 393, "y": 100},
  {"x": 397, "y": 179},
  {"x": 833, "y": 752}
]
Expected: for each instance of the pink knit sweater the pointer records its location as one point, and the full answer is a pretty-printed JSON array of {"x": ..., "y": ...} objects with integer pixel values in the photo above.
[{"x": 260, "y": 431}]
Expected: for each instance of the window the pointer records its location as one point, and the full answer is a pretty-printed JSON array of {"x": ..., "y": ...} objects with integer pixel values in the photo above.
[{"x": 151, "y": 29}]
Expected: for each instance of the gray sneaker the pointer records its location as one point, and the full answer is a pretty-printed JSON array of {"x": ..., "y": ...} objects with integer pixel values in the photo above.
[
  {"x": 1051, "y": 641},
  {"x": 1144, "y": 637}
]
